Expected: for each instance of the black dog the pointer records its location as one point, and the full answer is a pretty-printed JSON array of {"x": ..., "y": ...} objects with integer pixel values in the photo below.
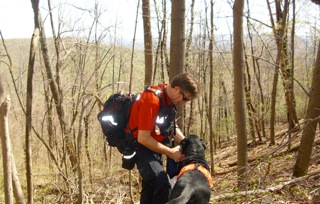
[{"x": 194, "y": 180}]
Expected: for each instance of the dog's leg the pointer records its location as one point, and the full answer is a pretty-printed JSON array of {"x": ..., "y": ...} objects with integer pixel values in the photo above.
[
  {"x": 183, "y": 196},
  {"x": 172, "y": 181}
]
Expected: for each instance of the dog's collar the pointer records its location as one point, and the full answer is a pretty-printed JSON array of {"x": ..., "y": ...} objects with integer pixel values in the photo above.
[{"x": 199, "y": 167}]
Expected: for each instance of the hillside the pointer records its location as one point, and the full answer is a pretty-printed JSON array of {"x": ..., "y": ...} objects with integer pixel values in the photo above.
[
  {"x": 270, "y": 177},
  {"x": 270, "y": 173},
  {"x": 104, "y": 181}
]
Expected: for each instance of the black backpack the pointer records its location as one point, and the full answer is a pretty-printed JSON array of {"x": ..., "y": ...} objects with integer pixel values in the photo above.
[{"x": 115, "y": 116}]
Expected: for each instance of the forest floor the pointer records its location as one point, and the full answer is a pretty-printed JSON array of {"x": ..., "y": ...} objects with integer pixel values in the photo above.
[
  {"x": 269, "y": 177},
  {"x": 270, "y": 172}
]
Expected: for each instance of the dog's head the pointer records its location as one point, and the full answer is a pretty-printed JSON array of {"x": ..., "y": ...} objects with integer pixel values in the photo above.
[{"x": 192, "y": 145}]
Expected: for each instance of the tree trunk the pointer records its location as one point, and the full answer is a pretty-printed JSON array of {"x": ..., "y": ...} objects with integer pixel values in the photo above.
[
  {"x": 32, "y": 55},
  {"x": 10, "y": 177},
  {"x": 251, "y": 108},
  {"x": 238, "y": 93},
  {"x": 161, "y": 51},
  {"x": 54, "y": 87},
  {"x": 304, "y": 154},
  {"x": 177, "y": 45},
  {"x": 278, "y": 34},
  {"x": 292, "y": 115},
  {"x": 189, "y": 40},
  {"x": 79, "y": 153},
  {"x": 188, "y": 44},
  {"x": 210, "y": 114},
  {"x": 17, "y": 190},
  {"x": 147, "y": 42},
  {"x": 130, "y": 85},
  {"x": 248, "y": 101},
  {"x": 5, "y": 144},
  {"x": 158, "y": 48},
  {"x": 282, "y": 64}
]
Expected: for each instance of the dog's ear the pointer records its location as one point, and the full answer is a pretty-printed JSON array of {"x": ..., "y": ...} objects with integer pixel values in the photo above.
[
  {"x": 183, "y": 142},
  {"x": 203, "y": 144}
]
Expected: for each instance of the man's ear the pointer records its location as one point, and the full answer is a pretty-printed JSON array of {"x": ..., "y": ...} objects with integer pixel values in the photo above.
[{"x": 177, "y": 88}]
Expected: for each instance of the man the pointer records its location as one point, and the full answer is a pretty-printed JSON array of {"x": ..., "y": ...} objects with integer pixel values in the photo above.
[{"x": 144, "y": 116}]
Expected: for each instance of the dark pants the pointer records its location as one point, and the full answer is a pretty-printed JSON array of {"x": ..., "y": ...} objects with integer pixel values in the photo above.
[{"x": 155, "y": 184}]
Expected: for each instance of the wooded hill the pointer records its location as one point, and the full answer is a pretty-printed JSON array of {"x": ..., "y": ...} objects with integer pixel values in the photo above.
[{"x": 59, "y": 154}]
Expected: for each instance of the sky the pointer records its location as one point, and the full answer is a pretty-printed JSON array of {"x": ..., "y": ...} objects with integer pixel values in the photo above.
[{"x": 16, "y": 16}]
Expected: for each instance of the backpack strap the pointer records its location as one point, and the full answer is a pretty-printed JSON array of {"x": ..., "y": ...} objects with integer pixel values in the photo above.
[
  {"x": 159, "y": 91},
  {"x": 134, "y": 98},
  {"x": 165, "y": 103},
  {"x": 173, "y": 106}
]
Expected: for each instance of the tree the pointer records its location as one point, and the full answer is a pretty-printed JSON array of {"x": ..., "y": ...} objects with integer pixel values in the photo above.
[
  {"x": 177, "y": 44},
  {"x": 147, "y": 42},
  {"x": 280, "y": 30},
  {"x": 313, "y": 117},
  {"x": 210, "y": 114},
  {"x": 7, "y": 154},
  {"x": 238, "y": 92},
  {"x": 5, "y": 144},
  {"x": 11, "y": 180},
  {"x": 32, "y": 55},
  {"x": 56, "y": 90},
  {"x": 188, "y": 50}
]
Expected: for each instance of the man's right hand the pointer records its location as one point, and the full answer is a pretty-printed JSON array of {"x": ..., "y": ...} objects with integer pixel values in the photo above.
[{"x": 176, "y": 154}]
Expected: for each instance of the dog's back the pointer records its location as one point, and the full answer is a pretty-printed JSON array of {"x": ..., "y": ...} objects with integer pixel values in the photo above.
[{"x": 193, "y": 185}]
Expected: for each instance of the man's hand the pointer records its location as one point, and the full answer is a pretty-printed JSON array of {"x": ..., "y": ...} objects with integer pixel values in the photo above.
[
  {"x": 144, "y": 138},
  {"x": 176, "y": 154}
]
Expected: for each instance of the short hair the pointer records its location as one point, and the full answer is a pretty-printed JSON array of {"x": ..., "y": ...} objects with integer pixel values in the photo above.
[{"x": 187, "y": 83}]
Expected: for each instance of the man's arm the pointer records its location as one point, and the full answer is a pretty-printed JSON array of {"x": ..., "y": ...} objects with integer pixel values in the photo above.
[{"x": 144, "y": 138}]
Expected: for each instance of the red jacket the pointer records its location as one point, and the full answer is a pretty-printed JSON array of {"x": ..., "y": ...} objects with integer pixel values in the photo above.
[{"x": 145, "y": 111}]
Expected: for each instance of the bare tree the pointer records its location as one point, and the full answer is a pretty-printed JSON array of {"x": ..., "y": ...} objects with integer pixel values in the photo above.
[
  {"x": 177, "y": 44},
  {"x": 11, "y": 180},
  {"x": 161, "y": 55},
  {"x": 7, "y": 163},
  {"x": 57, "y": 95},
  {"x": 147, "y": 42},
  {"x": 280, "y": 27},
  {"x": 188, "y": 50},
  {"x": 313, "y": 117},
  {"x": 238, "y": 93},
  {"x": 5, "y": 144},
  {"x": 32, "y": 55},
  {"x": 130, "y": 82},
  {"x": 133, "y": 46},
  {"x": 210, "y": 114}
]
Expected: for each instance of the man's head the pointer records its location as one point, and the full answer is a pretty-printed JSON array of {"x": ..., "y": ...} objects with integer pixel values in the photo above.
[{"x": 184, "y": 87}]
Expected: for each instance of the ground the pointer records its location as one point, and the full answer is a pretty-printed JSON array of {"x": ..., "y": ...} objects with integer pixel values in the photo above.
[
  {"x": 270, "y": 177},
  {"x": 270, "y": 172}
]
